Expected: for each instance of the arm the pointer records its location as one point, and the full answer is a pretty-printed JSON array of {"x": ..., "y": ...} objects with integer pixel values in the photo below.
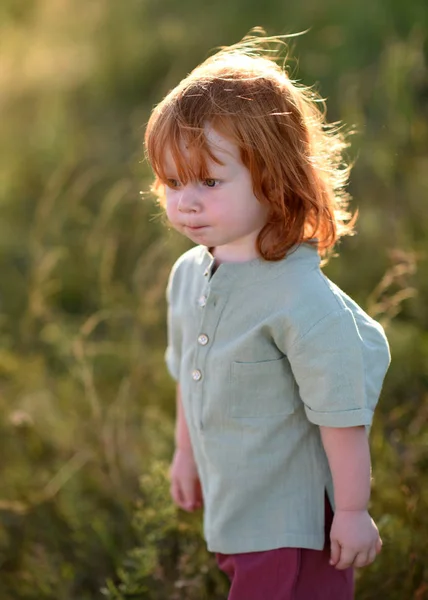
[
  {"x": 354, "y": 536},
  {"x": 185, "y": 487},
  {"x": 182, "y": 438}
]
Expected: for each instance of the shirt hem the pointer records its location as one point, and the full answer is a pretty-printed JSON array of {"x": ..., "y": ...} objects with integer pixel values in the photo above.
[{"x": 291, "y": 540}]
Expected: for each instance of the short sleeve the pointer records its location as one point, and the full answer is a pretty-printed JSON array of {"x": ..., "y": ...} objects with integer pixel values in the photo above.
[
  {"x": 174, "y": 336},
  {"x": 339, "y": 366}
]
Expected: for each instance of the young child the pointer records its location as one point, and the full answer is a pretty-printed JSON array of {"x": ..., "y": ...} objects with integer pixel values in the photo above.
[{"x": 278, "y": 371}]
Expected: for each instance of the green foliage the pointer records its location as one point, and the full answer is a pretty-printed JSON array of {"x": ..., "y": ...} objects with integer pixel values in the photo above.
[
  {"x": 86, "y": 406},
  {"x": 170, "y": 560},
  {"x": 399, "y": 502}
]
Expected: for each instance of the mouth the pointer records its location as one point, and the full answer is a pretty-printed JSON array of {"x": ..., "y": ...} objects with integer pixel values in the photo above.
[{"x": 195, "y": 227}]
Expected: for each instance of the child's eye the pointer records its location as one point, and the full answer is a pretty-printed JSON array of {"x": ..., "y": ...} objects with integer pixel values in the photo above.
[
  {"x": 211, "y": 182},
  {"x": 173, "y": 183}
]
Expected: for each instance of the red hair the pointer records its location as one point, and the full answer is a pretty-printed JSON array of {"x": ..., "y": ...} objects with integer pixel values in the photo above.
[{"x": 295, "y": 158}]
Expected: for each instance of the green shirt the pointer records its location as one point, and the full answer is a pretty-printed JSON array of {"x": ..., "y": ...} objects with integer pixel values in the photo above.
[{"x": 265, "y": 352}]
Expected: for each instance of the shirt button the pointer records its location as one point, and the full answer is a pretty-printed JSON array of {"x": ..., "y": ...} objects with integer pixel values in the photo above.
[
  {"x": 202, "y": 301},
  {"x": 196, "y": 375},
  {"x": 203, "y": 339}
]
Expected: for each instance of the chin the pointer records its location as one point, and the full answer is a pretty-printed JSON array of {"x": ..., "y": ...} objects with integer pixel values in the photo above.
[{"x": 197, "y": 235}]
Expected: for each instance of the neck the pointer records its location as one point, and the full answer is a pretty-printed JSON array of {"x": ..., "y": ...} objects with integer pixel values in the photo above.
[{"x": 233, "y": 255}]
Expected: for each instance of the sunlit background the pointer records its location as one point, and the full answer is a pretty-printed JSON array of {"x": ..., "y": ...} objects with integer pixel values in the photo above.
[{"x": 87, "y": 408}]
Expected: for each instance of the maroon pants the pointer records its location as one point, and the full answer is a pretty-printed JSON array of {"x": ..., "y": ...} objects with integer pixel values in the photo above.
[{"x": 287, "y": 573}]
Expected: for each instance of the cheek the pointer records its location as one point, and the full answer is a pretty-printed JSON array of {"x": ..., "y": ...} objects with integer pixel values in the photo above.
[
  {"x": 171, "y": 207},
  {"x": 257, "y": 214}
]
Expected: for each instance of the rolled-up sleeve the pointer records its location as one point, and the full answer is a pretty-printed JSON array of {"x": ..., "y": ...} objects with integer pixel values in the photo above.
[{"x": 339, "y": 366}]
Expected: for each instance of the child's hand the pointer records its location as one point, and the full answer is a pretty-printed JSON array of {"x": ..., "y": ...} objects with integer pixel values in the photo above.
[
  {"x": 185, "y": 486},
  {"x": 354, "y": 539}
]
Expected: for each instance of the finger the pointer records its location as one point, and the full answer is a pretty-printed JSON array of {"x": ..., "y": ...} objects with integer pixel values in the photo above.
[
  {"x": 372, "y": 555},
  {"x": 334, "y": 552},
  {"x": 188, "y": 493},
  {"x": 361, "y": 560},
  {"x": 176, "y": 493},
  {"x": 346, "y": 559},
  {"x": 379, "y": 545}
]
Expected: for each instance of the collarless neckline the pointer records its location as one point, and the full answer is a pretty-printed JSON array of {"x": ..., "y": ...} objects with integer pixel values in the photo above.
[
  {"x": 255, "y": 269},
  {"x": 234, "y": 265}
]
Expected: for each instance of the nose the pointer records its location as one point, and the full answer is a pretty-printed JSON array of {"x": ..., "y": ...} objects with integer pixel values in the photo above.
[{"x": 188, "y": 201}]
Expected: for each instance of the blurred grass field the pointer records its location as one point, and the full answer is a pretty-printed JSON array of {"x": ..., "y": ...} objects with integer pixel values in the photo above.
[{"x": 87, "y": 407}]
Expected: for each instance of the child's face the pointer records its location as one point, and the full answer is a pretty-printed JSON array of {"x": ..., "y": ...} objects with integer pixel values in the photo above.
[{"x": 220, "y": 212}]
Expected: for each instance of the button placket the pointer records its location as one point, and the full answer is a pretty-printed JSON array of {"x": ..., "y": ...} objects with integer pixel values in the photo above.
[
  {"x": 210, "y": 307},
  {"x": 202, "y": 341}
]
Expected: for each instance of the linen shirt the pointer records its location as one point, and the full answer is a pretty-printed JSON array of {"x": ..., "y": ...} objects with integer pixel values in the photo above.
[{"x": 266, "y": 352}]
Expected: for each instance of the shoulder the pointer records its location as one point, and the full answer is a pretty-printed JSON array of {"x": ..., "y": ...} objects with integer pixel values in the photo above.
[
  {"x": 310, "y": 300},
  {"x": 184, "y": 267},
  {"x": 192, "y": 258},
  {"x": 302, "y": 288}
]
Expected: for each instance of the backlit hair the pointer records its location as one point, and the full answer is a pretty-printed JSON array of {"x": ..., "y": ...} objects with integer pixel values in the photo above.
[{"x": 295, "y": 158}]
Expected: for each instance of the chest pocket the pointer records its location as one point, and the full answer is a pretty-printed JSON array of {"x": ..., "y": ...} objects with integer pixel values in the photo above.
[{"x": 263, "y": 389}]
